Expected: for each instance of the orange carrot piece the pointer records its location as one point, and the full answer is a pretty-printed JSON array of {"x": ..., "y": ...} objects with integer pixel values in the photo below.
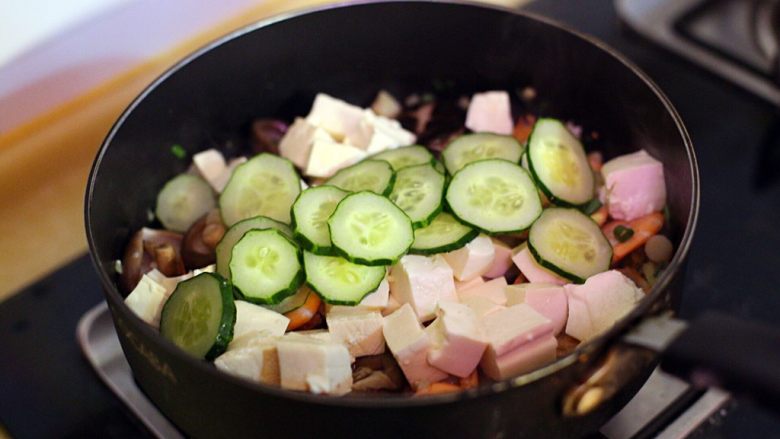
[
  {"x": 438, "y": 388},
  {"x": 596, "y": 161},
  {"x": 299, "y": 316},
  {"x": 643, "y": 227},
  {"x": 523, "y": 127},
  {"x": 470, "y": 381},
  {"x": 600, "y": 216}
]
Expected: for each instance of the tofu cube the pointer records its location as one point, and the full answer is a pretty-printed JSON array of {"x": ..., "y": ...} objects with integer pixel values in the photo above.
[
  {"x": 473, "y": 260},
  {"x": 392, "y": 305},
  {"x": 210, "y": 165},
  {"x": 490, "y": 112},
  {"x": 251, "y": 317},
  {"x": 147, "y": 300},
  {"x": 328, "y": 157},
  {"x": 457, "y": 339},
  {"x": 388, "y": 134},
  {"x": 493, "y": 290},
  {"x": 520, "y": 360},
  {"x": 481, "y": 306},
  {"x": 502, "y": 260},
  {"x": 534, "y": 272},
  {"x": 359, "y": 330},
  {"x": 422, "y": 281},
  {"x": 256, "y": 359},
  {"x": 337, "y": 117},
  {"x": 597, "y": 304},
  {"x": 634, "y": 185},
  {"x": 460, "y": 286},
  {"x": 410, "y": 346},
  {"x": 297, "y": 142},
  {"x": 514, "y": 326},
  {"x": 222, "y": 181},
  {"x": 314, "y": 365},
  {"x": 169, "y": 283},
  {"x": 549, "y": 300},
  {"x": 375, "y": 301}
]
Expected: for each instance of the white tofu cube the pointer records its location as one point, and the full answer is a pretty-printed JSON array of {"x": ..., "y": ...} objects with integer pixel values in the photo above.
[
  {"x": 147, "y": 300},
  {"x": 169, "y": 283},
  {"x": 251, "y": 317},
  {"x": 388, "y": 134},
  {"x": 481, "y": 306},
  {"x": 410, "y": 345},
  {"x": 597, "y": 304},
  {"x": 634, "y": 185},
  {"x": 460, "y": 286},
  {"x": 549, "y": 300},
  {"x": 328, "y": 157},
  {"x": 493, "y": 290},
  {"x": 520, "y": 360},
  {"x": 472, "y": 260},
  {"x": 297, "y": 142},
  {"x": 375, "y": 301},
  {"x": 222, "y": 181},
  {"x": 392, "y": 305},
  {"x": 502, "y": 260},
  {"x": 422, "y": 281},
  {"x": 514, "y": 326},
  {"x": 359, "y": 330},
  {"x": 337, "y": 117},
  {"x": 210, "y": 165},
  {"x": 490, "y": 112},
  {"x": 318, "y": 366},
  {"x": 256, "y": 360},
  {"x": 457, "y": 340},
  {"x": 534, "y": 272}
]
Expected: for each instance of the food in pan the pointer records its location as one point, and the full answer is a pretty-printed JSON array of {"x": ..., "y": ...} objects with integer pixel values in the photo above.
[{"x": 395, "y": 266}]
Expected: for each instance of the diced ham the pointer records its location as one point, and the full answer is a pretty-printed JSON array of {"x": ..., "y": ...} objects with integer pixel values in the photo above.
[
  {"x": 634, "y": 185},
  {"x": 457, "y": 340},
  {"x": 502, "y": 260},
  {"x": 481, "y": 306},
  {"x": 422, "y": 281},
  {"x": 493, "y": 290},
  {"x": 490, "y": 112},
  {"x": 522, "y": 359},
  {"x": 410, "y": 346},
  {"x": 460, "y": 286},
  {"x": 533, "y": 271},
  {"x": 550, "y": 302},
  {"x": 514, "y": 326}
]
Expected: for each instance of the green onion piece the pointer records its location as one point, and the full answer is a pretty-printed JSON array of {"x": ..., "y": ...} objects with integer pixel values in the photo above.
[
  {"x": 178, "y": 151},
  {"x": 592, "y": 206},
  {"x": 623, "y": 233}
]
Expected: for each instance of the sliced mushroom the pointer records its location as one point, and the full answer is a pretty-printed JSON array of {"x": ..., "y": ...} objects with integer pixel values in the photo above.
[
  {"x": 266, "y": 135},
  {"x": 200, "y": 241},
  {"x": 149, "y": 249}
]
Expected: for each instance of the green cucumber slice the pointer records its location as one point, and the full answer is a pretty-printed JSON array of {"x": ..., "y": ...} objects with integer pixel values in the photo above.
[
  {"x": 369, "y": 229},
  {"x": 225, "y": 246},
  {"x": 558, "y": 164},
  {"x": 569, "y": 243},
  {"x": 472, "y": 147},
  {"x": 376, "y": 176},
  {"x": 495, "y": 196},
  {"x": 340, "y": 282},
  {"x": 310, "y": 214},
  {"x": 443, "y": 234},
  {"x": 293, "y": 302},
  {"x": 439, "y": 167},
  {"x": 265, "y": 267},
  {"x": 418, "y": 191},
  {"x": 199, "y": 316},
  {"x": 183, "y": 200},
  {"x": 400, "y": 158},
  {"x": 265, "y": 185}
]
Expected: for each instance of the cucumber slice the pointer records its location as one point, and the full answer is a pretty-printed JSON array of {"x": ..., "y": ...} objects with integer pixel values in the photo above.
[
  {"x": 400, "y": 158},
  {"x": 225, "y": 246},
  {"x": 558, "y": 164},
  {"x": 183, "y": 200},
  {"x": 439, "y": 167},
  {"x": 569, "y": 243},
  {"x": 495, "y": 196},
  {"x": 443, "y": 234},
  {"x": 265, "y": 267},
  {"x": 265, "y": 185},
  {"x": 472, "y": 147},
  {"x": 293, "y": 302},
  {"x": 376, "y": 176},
  {"x": 199, "y": 316},
  {"x": 340, "y": 282},
  {"x": 369, "y": 229},
  {"x": 418, "y": 191},
  {"x": 310, "y": 214}
]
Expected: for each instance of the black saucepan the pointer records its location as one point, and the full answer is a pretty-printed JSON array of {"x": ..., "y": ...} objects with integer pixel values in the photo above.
[{"x": 274, "y": 68}]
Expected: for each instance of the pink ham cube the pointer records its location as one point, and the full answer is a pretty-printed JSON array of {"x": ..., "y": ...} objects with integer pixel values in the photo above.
[
  {"x": 457, "y": 339},
  {"x": 522, "y": 359},
  {"x": 533, "y": 271},
  {"x": 493, "y": 290},
  {"x": 634, "y": 185},
  {"x": 502, "y": 260},
  {"x": 490, "y": 112}
]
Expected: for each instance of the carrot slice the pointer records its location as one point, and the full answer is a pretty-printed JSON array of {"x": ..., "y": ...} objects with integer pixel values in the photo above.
[
  {"x": 601, "y": 215},
  {"x": 523, "y": 127},
  {"x": 299, "y": 316},
  {"x": 596, "y": 161},
  {"x": 643, "y": 227},
  {"x": 470, "y": 381},
  {"x": 438, "y": 388}
]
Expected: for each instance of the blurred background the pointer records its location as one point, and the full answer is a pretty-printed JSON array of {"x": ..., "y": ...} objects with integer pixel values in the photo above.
[{"x": 68, "y": 69}]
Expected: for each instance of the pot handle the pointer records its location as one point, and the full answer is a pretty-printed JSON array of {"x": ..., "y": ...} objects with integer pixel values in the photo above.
[{"x": 722, "y": 351}]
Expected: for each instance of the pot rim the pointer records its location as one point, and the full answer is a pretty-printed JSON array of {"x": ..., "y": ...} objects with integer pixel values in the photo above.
[{"x": 401, "y": 401}]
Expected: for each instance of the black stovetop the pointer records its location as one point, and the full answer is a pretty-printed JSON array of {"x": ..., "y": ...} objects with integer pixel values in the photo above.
[{"x": 47, "y": 389}]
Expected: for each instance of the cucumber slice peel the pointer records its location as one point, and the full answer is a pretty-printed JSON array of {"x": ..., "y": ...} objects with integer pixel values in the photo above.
[
  {"x": 443, "y": 234},
  {"x": 265, "y": 267},
  {"x": 470, "y": 148},
  {"x": 200, "y": 315},
  {"x": 400, "y": 158},
  {"x": 418, "y": 192},
  {"x": 376, "y": 176},
  {"x": 293, "y": 302},
  {"x": 340, "y": 282},
  {"x": 570, "y": 244},
  {"x": 231, "y": 237},
  {"x": 310, "y": 214}
]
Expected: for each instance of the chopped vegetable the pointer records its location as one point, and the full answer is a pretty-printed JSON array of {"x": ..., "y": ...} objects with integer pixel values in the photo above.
[
  {"x": 301, "y": 315},
  {"x": 178, "y": 151},
  {"x": 623, "y": 233},
  {"x": 643, "y": 227}
]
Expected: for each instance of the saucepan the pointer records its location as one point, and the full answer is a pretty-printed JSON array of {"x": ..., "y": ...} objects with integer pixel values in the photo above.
[{"x": 274, "y": 68}]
